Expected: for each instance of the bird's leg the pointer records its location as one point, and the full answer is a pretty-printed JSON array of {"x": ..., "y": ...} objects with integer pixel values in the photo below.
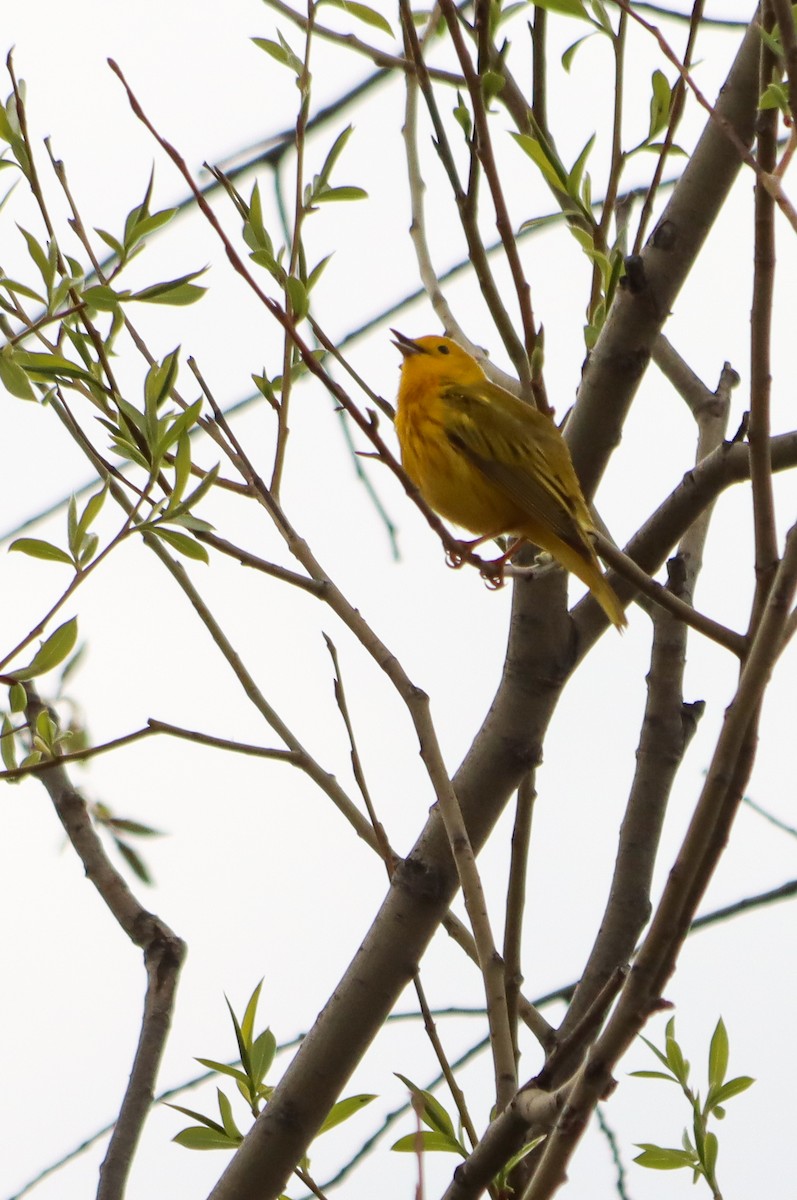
[
  {"x": 493, "y": 571},
  {"x": 458, "y": 554}
]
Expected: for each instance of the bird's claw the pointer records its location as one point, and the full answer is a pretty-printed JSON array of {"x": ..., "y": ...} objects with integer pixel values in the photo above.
[
  {"x": 455, "y": 556},
  {"x": 493, "y": 573}
]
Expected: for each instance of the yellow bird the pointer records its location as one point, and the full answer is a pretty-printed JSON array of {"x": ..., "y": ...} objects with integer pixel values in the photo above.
[{"x": 487, "y": 461}]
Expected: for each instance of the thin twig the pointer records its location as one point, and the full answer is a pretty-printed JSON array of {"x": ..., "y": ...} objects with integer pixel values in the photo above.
[
  {"x": 390, "y": 859},
  {"x": 520, "y": 353},
  {"x": 163, "y": 957},
  {"x": 759, "y": 427},
  {"x": 516, "y": 900},
  {"x": 476, "y": 250},
  {"x": 677, "y": 104},
  {"x": 379, "y": 57}
]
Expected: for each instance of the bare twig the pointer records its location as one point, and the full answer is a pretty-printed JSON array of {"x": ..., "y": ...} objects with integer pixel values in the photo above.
[
  {"x": 758, "y": 432},
  {"x": 516, "y": 901},
  {"x": 520, "y": 353},
  {"x": 163, "y": 957},
  {"x": 673, "y": 121}
]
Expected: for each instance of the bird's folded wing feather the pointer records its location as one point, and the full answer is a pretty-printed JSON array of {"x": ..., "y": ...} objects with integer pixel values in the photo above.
[{"x": 515, "y": 447}]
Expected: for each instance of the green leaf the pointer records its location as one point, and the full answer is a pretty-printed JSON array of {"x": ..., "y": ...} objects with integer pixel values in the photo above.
[
  {"x": 196, "y": 1116},
  {"x": 333, "y": 194},
  {"x": 17, "y": 698},
  {"x": 601, "y": 17},
  {"x": 225, "y": 1108},
  {"x": 8, "y": 745},
  {"x": 11, "y": 285},
  {"x": 160, "y": 380},
  {"x": 181, "y": 424},
  {"x": 39, "y": 256},
  {"x": 282, "y": 52},
  {"x": 244, "y": 1046},
  {"x": 134, "y": 861},
  {"x": 462, "y": 116},
  {"x": 718, "y": 1055},
  {"x": 728, "y": 1090},
  {"x": 710, "y": 1151},
  {"x": 173, "y": 291},
  {"x": 62, "y": 288},
  {"x": 521, "y": 1154},
  {"x": 315, "y": 274},
  {"x": 363, "y": 13},
  {"x": 651, "y": 1075},
  {"x": 102, "y": 297},
  {"x": 334, "y": 154},
  {"x": 12, "y": 376},
  {"x": 71, "y": 524},
  {"x": 567, "y": 8},
  {"x": 656, "y": 1051},
  {"x": 660, "y": 1159},
  {"x": 570, "y": 52},
  {"x": 111, "y": 242},
  {"x": 432, "y": 1112},
  {"x": 551, "y": 169},
  {"x": 92, "y": 510},
  {"x": 775, "y": 96},
  {"x": 52, "y": 366},
  {"x": 197, "y": 1138},
  {"x": 182, "y": 471},
  {"x": 36, "y": 548},
  {"x": 224, "y": 1069},
  {"x": 134, "y": 827},
  {"x": 344, "y": 1109},
  {"x": 52, "y": 651},
  {"x": 492, "y": 84},
  {"x": 273, "y": 48},
  {"x": 660, "y": 102},
  {"x": 577, "y": 170},
  {"x": 180, "y": 513},
  {"x": 264, "y": 1048},
  {"x": 429, "y": 1141},
  {"x": 183, "y": 543},
  {"x": 88, "y": 550},
  {"x": 250, "y": 1013},
  {"x": 148, "y": 224},
  {"x": 255, "y": 234},
  {"x": 297, "y": 294},
  {"x": 141, "y": 210},
  {"x": 675, "y": 1059},
  {"x": 180, "y": 295}
]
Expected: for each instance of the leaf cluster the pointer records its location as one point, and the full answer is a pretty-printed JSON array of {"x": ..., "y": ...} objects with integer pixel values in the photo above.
[{"x": 699, "y": 1148}]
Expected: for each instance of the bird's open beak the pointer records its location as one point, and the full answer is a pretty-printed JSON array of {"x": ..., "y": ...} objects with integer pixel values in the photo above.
[{"x": 406, "y": 345}]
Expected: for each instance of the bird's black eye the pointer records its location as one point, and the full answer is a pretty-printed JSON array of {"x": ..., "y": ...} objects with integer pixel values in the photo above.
[{"x": 443, "y": 349}]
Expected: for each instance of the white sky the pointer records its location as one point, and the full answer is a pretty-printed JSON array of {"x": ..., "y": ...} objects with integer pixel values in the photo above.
[{"x": 252, "y": 874}]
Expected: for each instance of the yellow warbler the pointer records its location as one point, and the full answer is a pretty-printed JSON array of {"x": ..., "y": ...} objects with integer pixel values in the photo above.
[{"x": 486, "y": 461}]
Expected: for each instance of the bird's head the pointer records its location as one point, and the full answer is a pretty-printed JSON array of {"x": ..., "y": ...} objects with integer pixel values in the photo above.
[{"x": 433, "y": 359}]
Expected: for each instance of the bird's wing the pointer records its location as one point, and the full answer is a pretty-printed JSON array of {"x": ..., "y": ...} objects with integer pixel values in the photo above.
[{"x": 521, "y": 452}]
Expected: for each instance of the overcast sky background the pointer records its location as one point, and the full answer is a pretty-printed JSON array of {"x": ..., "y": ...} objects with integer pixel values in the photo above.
[{"x": 258, "y": 874}]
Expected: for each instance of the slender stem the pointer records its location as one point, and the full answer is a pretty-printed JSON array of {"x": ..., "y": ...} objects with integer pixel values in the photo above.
[
  {"x": 758, "y": 433},
  {"x": 676, "y": 112},
  {"x": 296, "y": 252},
  {"x": 516, "y": 902},
  {"x": 163, "y": 957},
  {"x": 519, "y": 353}
]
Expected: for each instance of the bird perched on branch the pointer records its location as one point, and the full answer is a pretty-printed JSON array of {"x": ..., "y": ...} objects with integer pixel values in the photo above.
[{"x": 487, "y": 461}]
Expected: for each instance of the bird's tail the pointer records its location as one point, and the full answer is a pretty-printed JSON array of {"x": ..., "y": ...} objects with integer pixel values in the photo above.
[{"x": 585, "y": 565}]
